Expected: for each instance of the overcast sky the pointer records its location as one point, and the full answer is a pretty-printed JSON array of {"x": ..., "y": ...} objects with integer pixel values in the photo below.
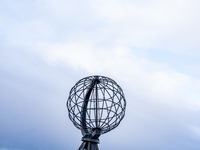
[{"x": 149, "y": 47}]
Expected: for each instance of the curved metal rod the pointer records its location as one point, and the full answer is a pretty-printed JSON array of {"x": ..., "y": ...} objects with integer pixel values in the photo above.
[{"x": 95, "y": 81}]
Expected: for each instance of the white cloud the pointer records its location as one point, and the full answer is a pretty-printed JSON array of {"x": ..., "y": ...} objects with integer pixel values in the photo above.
[
  {"x": 158, "y": 80},
  {"x": 164, "y": 25},
  {"x": 168, "y": 25}
]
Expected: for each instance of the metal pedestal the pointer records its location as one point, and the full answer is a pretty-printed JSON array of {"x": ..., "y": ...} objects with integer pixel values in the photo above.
[{"x": 89, "y": 144}]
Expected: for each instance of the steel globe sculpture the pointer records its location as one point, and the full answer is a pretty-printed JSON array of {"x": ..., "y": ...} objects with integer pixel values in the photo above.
[{"x": 96, "y": 105}]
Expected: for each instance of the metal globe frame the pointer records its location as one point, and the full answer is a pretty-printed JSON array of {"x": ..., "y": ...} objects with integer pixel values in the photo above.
[{"x": 96, "y": 105}]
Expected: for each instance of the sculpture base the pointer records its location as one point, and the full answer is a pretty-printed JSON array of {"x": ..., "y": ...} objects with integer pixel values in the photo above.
[{"x": 89, "y": 144}]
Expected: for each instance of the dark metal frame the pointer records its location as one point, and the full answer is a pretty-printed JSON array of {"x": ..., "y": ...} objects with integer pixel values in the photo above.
[{"x": 96, "y": 105}]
